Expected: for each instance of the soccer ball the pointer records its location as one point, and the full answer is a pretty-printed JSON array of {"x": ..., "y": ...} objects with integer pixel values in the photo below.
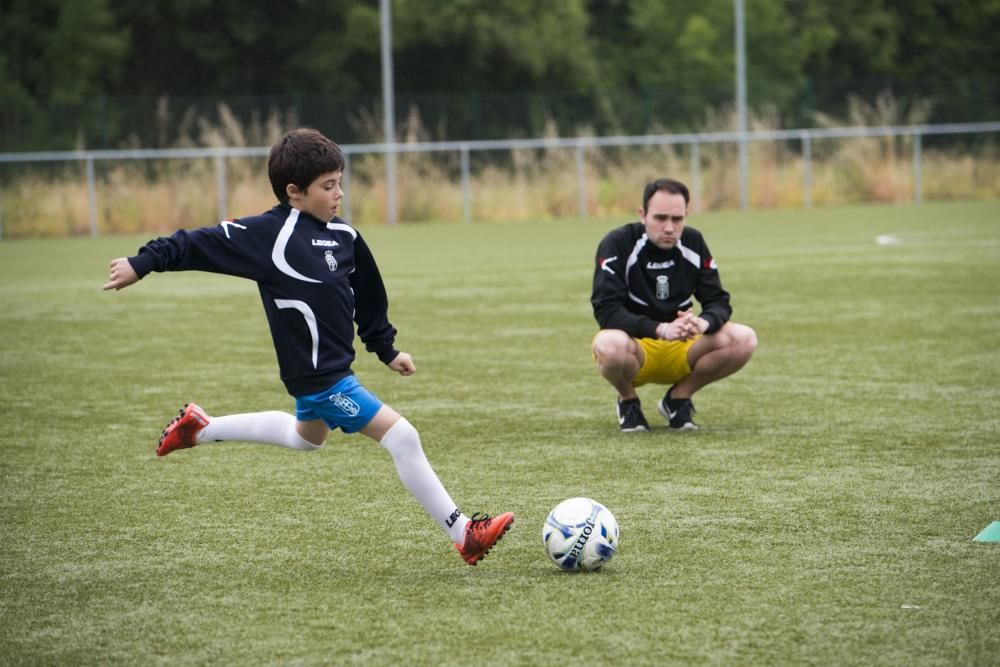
[{"x": 580, "y": 534}]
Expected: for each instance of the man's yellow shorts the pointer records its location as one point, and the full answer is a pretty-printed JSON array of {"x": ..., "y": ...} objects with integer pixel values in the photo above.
[{"x": 666, "y": 361}]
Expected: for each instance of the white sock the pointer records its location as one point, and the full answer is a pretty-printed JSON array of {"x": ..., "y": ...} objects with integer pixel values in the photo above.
[
  {"x": 403, "y": 442},
  {"x": 271, "y": 428}
]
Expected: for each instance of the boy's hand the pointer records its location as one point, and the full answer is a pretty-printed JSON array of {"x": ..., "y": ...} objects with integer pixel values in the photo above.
[
  {"x": 121, "y": 274},
  {"x": 403, "y": 364}
]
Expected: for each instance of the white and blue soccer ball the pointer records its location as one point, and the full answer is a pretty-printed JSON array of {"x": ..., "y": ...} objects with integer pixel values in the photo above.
[{"x": 580, "y": 534}]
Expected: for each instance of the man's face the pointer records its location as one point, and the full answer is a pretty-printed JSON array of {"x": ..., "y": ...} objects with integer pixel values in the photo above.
[
  {"x": 321, "y": 198},
  {"x": 664, "y": 219}
]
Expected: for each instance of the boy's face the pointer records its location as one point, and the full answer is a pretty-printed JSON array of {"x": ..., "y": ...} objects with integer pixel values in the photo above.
[{"x": 321, "y": 198}]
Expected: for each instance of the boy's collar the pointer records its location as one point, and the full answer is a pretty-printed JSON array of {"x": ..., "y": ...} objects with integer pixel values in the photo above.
[{"x": 288, "y": 208}]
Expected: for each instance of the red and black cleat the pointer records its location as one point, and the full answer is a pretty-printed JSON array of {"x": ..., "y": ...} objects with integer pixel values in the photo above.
[
  {"x": 481, "y": 534},
  {"x": 182, "y": 432}
]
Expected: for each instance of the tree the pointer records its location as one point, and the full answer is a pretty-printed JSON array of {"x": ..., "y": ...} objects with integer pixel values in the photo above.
[
  {"x": 96, "y": 72},
  {"x": 507, "y": 70},
  {"x": 56, "y": 60},
  {"x": 673, "y": 60}
]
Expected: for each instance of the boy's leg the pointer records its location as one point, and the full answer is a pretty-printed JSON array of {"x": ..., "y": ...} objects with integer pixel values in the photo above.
[
  {"x": 473, "y": 537},
  {"x": 402, "y": 441},
  {"x": 194, "y": 426},
  {"x": 269, "y": 428}
]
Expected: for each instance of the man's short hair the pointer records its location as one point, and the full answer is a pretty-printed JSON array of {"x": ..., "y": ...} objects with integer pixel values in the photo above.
[
  {"x": 666, "y": 185},
  {"x": 300, "y": 157}
]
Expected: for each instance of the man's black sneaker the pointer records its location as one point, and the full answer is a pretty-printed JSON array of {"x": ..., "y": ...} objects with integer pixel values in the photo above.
[
  {"x": 678, "y": 411},
  {"x": 630, "y": 417}
]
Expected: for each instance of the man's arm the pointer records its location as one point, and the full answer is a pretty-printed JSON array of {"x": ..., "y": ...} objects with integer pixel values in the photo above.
[
  {"x": 714, "y": 300},
  {"x": 610, "y": 293}
]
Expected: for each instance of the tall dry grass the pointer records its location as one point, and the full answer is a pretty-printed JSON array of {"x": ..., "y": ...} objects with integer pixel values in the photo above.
[{"x": 161, "y": 195}]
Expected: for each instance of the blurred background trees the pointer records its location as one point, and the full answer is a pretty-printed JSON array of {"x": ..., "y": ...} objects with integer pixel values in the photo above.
[{"x": 113, "y": 73}]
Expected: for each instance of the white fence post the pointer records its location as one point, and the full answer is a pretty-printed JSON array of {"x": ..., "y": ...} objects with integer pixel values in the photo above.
[
  {"x": 696, "y": 176},
  {"x": 741, "y": 101},
  {"x": 918, "y": 170},
  {"x": 344, "y": 181},
  {"x": 463, "y": 158},
  {"x": 91, "y": 197},
  {"x": 220, "y": 186},
  {"x": 807, "y": 181},
  {"x": 581, "y": 181}
]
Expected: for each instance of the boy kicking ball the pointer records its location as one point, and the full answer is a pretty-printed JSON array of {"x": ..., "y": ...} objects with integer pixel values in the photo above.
[{"x": 317, "y": 278}]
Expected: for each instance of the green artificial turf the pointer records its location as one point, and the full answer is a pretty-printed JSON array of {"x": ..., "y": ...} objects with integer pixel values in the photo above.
[{"x": 823, "y": 514}]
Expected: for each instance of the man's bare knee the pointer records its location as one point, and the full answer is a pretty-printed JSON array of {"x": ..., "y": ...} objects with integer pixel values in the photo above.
[
  {"x": 744, "y": 341},
  {"x": 736, "y": 341},
  {"x": 613, "y": 347}
]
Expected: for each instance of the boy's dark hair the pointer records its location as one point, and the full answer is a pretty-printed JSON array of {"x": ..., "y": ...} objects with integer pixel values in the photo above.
[
  {"x": 299, "y": 157},
  {"x": 667, "y": 185}
]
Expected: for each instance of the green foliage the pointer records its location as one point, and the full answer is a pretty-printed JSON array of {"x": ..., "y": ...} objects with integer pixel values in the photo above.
[
  {"x": 56, "y": 59},
  {"x": 93, "y": 72},
  {"x": 823, "y": 515},
  {"x": 514, "y": 43}
]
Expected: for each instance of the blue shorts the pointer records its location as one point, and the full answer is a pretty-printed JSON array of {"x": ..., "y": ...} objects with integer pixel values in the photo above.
[{"x": 346, "y": 405}]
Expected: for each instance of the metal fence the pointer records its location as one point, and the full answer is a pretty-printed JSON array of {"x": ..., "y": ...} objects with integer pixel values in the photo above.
[{"x": 806, "y": 137}]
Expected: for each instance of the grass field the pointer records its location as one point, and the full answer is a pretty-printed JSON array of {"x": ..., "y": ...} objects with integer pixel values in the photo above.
[{"x": 824, "y": 513}]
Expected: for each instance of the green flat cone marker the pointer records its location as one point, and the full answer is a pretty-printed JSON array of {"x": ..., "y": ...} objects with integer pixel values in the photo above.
[{"x": 991, "y": 533}]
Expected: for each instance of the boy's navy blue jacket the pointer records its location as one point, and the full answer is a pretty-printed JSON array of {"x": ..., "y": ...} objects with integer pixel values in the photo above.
[{"x": 316, "y": 279}]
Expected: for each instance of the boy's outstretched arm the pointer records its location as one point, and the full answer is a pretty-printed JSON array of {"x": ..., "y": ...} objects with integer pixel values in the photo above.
[{"x": 121, "y": 274}]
